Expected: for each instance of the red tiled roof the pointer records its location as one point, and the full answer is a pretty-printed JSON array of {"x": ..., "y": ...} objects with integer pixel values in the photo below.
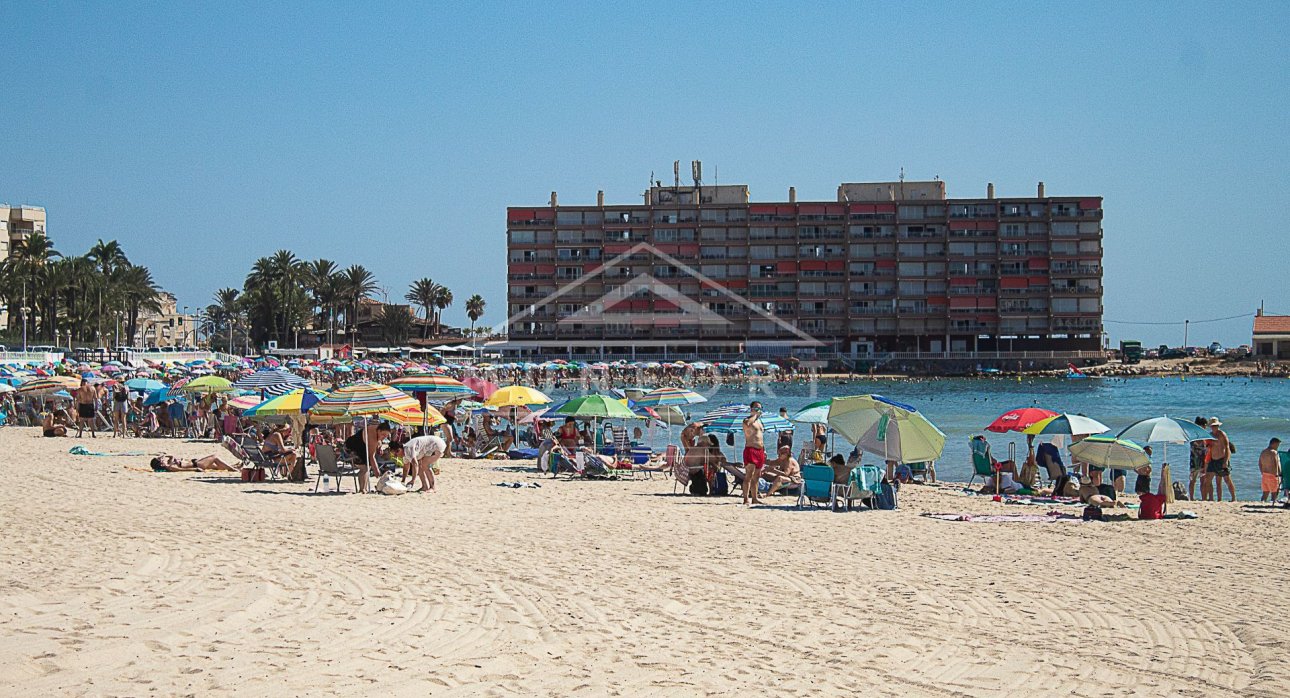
[{"x": 1272, "y": 324}]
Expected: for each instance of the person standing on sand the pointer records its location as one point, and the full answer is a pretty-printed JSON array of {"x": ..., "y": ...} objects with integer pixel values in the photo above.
[
  {"x": 1197, "y": 470},
  {"x": 754, "y": 453},
  {"x": 1270, "y": 471},
  {"x": 86, "y": 396},
  {"x": 1218, "y": 461}
]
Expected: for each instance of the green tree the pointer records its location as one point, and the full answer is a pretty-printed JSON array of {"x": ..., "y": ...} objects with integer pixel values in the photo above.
[
  {"x": 442, "y": 299},
  {"x": 422, "y": 294},
  {"x": 396, "y": 323},
  {"x": 475, "y": 310}
]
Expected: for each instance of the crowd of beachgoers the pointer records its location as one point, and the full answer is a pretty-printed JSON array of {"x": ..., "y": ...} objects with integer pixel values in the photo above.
[{"x": 389, "y": 423}]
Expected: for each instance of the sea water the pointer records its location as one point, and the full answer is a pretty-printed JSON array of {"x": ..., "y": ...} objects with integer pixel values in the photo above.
[{"x": 1253, "y": 410}]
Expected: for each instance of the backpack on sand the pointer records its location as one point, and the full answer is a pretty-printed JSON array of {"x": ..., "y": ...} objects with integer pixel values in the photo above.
[{"x": 722, "y": 486}]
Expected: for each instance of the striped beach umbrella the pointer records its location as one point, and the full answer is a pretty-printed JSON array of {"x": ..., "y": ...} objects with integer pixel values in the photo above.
[
  {"x": 271, "y": 381},
  {"x": 431, "y": 386},
  {"x": 415, "y": 417},
  {"x": 244, "y": 402},
  {"x": 51, "y": 384},
  {"x": 670, "y": 396},
  {"x": 362, "y": 399},
  {"x": 734, "y": 422},
  {"x": 723, "y": 411},
  {"x": 296, "y": 402}
]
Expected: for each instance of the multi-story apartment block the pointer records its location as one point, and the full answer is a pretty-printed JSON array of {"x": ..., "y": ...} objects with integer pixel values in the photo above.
[
  {"x": 886, "y": 267},
  {"x": 17, "y": 223}
]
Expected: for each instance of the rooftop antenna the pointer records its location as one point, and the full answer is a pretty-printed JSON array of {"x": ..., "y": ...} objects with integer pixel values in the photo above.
[
  {"x": 902, "y": 183},
  {"x": 676, "y": 174},
  {"x": 696, "y": 172}
]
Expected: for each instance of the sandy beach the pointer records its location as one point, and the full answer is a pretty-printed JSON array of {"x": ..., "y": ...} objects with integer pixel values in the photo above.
[{"x": 123, "y": 582}]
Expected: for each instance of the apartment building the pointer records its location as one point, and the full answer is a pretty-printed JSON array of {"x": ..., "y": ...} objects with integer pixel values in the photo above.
[
  {"x": 17, "y": 223},
  {"x": 884, "y": 267}
]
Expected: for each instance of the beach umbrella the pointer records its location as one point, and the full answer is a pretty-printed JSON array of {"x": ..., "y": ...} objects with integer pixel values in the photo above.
[
  {"x": 814, "y": 413},
  {"x": 716, "y": 413},
  {"x": 1110, "y": 452},
  {"x": 244, "y": 402},
  {"x": 479, "y": 386},
  {"x": 1019, "y": 419},
  {"x": 296, "y": 402},
  {"x": 1068, "y": 424},
  {"x": 594, "y": 406},
  {"x": 157, "y": 397},
  {"x": 734, "y": 422},
  {"x": 415, "y": 417},
  {"x": 1165, "y": 430},
  {"x": 50, "y": 384},
  {"x": 515, "y": 396},
  {"x": 208, "y": 384},
  {"x": 144, "y": 385},
  {"x": 887, "y": 428},
  {"x": 271, "y": 381},
  {"x": 431, "y": 386},
  {"x": 6, "y": 388},
  {"x": 669, "y": 396},
  {"x": 362, "y": 399}
]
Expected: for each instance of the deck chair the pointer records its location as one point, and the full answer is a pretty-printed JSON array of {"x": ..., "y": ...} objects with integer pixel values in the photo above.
[
  {"x": 861, "y": 484},
  {"x": 1285, "y": 476},
  {"x": 817, "y": 486},
  {"x": 329, "y": 464},
  {"x": 593, "y": 465},
  {"x": 982, "y": 461},
  {"x": 258, "y": 458},
  {"x": 922, "y": 471},
  {"x": 680, "y": 472},
  {"x": 622, "y": 442}
]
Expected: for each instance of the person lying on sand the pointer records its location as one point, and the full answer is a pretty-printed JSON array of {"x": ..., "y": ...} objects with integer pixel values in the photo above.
[{"x": 170, "y": 464}]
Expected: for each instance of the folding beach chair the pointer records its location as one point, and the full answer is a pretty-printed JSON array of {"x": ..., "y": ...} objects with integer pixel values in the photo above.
[
  {"x": 680, "y": 473},
  {"x": 258, "y": 458},
  {"x": 1285, "y": 476},
  {"x": 817, "y": 486},
  {"x": 982, "y": 461},
  {"x": 922, "y": 471},
  {"x": 330, "y": 465},
  {"x": 622, "y": 443}
]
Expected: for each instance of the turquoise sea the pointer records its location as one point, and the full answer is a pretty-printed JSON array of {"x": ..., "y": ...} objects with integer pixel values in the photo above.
[{"x": 1253, "y": 410}]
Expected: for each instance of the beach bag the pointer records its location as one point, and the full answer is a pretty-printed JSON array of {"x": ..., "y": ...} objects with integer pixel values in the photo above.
[
  {"x": 388, "y": 484},
  {"x": 1180, "y": 493},
  {"x": 699, "y": 486},
  {"x": 1092, "y": 513},
  {"x": 886, "y": 496},
  {"x": 722, "y": 487}
]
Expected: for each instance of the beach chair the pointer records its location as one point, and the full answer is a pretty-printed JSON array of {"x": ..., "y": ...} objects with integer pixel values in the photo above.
[
  {"x": 329, "y": 464},
  {"x": 922, "y": 471},
  {"x": 258, "y": 458},
  {"x": 622, "y": 442},
  {"x": 680, "y": 473},
  {"x": 862, "y": 485},
  {"x": 982, "y": 461},
  {"x": 1285, "y": 476},
  {"x": 817, "y": 486}
]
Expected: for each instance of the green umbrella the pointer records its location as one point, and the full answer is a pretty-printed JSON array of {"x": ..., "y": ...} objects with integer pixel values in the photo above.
[
  {"x": 884, "y": 427},
  {"x": 1110, "y": 452},
  {"x": 814, "y": 413},
  {"x": 595, "y": 406}
]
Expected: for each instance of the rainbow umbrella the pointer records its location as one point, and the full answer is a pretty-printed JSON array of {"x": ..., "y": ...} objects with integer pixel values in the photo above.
[
  {"x": 244, "y": 402},
  {"x": 51, "y": 384},
  {"x": 1019, "y": 419},
  {"x": 296, "y": 402},
  {"x": 431, "y": 386},
  {"x": 415, "y": 417},
  {"x": 361, "y": 399}
]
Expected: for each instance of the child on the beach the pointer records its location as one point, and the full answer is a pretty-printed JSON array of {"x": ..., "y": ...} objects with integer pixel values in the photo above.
[{"x": 1270, "y": 471}]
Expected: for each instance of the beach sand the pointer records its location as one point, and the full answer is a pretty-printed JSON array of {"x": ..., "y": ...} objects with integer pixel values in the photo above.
[{"x": 120, "y": 582}]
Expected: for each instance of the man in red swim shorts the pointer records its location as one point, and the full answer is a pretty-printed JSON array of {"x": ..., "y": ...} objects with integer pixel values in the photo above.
[{"x": 754, "y": 453}]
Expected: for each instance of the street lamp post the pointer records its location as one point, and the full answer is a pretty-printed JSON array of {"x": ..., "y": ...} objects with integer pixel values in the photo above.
[{"x": 24, "y": 310}]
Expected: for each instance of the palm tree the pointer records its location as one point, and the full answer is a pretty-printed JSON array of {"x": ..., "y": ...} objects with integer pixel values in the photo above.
[
  {"x": 139, "y": 292},
  {"x": 29, "y": 276},
  {"x": 396, "y": 323},
  {"x": 322, "y": 277},
  {"x": 442, "y": 299},
  {"x": 357, "y": 283},
  {"x": 475, "y": 309},
  {"x": 422, "y": 294},
  {"x": 107, "y": 257},
  {"x": 224, "y": 312}
]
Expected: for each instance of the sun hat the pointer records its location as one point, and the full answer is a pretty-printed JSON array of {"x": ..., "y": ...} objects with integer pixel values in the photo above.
[{"x": 1213, "y": 422}]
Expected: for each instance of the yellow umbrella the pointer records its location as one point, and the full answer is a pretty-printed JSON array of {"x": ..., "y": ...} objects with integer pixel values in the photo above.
[
  {"x": 208, "y": 384},
  {"x": 517, "y": 396},
  {"x": 414, "y": 417}
]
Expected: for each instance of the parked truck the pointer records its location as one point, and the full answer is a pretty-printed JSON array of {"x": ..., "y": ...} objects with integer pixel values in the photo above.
[{"x": 1130, "y": 351}]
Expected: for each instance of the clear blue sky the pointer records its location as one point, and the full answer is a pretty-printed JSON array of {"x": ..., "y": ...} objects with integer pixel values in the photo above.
[{"x": 205, "y": 135}]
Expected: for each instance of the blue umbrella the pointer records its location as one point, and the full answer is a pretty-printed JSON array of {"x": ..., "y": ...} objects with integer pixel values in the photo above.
[
  {"x": 734, "y": 422},
  {"x": 157, "y": 397},
  {"x": 144, "y": 385}
]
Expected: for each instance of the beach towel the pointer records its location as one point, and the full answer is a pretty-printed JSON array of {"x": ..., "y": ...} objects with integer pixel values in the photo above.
[
  {"x": 1050, "y": 517},
  {"x": 82, "y": 451},
  {"x": 522, "y": 453}
]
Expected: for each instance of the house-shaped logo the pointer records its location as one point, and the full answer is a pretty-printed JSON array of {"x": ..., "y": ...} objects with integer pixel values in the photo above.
[{"x": 616, "y": 307}]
